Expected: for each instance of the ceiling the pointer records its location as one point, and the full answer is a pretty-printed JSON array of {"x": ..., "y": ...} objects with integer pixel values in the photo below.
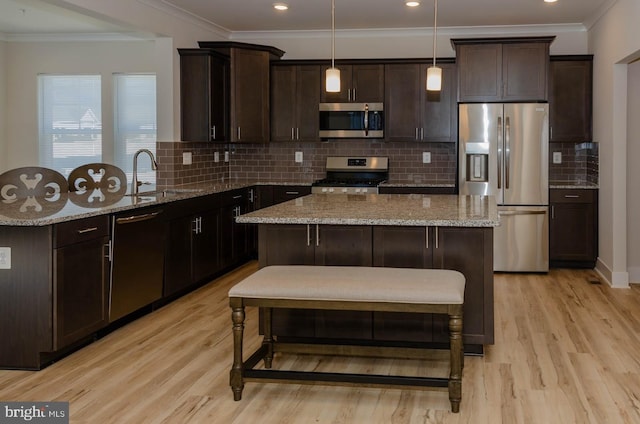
[{"x": 42, "y": 16}]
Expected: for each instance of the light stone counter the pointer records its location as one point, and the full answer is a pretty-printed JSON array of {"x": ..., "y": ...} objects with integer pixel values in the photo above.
[{"x": 381, "y": 209}]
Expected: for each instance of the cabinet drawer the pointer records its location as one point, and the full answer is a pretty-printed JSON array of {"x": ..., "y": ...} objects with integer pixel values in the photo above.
[
  {"x": 81, "y": 230},
  {"x": 233, "y": 197},
  {"x": 571, "y": 196}
]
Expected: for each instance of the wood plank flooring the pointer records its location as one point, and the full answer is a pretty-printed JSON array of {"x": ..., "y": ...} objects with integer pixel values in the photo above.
[{"x": 566, "y": 351}]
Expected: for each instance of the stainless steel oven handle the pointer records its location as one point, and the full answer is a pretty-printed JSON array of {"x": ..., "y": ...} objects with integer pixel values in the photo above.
[
  {"x": 137, "y": 218},
  {"x": 512, "y": 213}
]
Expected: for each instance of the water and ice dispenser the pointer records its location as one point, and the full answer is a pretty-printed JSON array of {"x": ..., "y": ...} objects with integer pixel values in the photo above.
[{"x": 477, "y": 165}]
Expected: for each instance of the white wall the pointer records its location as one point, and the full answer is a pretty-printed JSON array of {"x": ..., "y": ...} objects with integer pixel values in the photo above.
[
  {"x": 4, "y": 143},
  {"x": 26, "y": 60},
  {"x": 615, "y": 41},
  {"x": 633, "y": 172}
]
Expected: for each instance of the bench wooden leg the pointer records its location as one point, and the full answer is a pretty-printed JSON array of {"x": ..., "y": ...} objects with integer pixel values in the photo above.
[
  {"x": 236, "y": 378},
  {"x": 456, "y": 352},
  {"x": 268, "y": 338}
]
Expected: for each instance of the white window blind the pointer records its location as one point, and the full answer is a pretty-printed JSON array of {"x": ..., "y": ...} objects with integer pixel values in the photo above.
[
  {"x": 135, "y": 122},
  {"x": 70, "y": 121}
]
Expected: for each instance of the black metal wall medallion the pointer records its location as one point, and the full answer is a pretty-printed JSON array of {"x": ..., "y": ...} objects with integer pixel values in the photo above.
[
  {"x": 96, "y": 185},
  {"x": 32, "y": 192}
]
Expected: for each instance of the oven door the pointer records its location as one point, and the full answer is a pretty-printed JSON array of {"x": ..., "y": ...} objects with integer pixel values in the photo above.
[{"x": 351, "y": 120}]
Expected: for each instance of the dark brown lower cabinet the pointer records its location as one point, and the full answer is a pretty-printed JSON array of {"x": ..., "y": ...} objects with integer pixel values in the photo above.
[
  {"x": 468, "y": 250},
  {"x": 573, "y": 228}
]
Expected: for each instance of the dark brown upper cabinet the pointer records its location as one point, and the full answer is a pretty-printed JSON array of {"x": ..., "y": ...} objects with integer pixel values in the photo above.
[
  {"x": 204, "y": 95},
  {"x": 295, "y": 95},
  {"x": 414, "y": 114},
  {"x": 358, "y": 83},
  {"x": 570, "y": 98},
  {"x": 248, "y": 82},
  {"x": 496, "y": 70}
]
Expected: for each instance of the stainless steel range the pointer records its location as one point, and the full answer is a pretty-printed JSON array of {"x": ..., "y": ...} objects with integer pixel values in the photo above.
[{"x": 353, "y": 175}]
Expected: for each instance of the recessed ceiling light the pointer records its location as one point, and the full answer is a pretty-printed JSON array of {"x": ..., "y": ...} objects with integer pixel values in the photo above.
[
  {"x": 280, "y": 6},
  {"x": 412, "y": 3},
  {"x": 550, "y": 1}
]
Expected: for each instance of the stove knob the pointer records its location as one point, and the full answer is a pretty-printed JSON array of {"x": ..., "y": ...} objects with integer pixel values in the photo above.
[
  {"x": 364, "y": 190},
  {"x": 324, "y": 189},
  {"x": 344, "y": 190},
  {"x": 330, "y": 190},
  {"x": 358, "y": 190}
]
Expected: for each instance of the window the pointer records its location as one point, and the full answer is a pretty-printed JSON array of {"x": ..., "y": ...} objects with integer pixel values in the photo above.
[
  {"x": 135, "y": 122},
  {"x": 70, "y": 121}
]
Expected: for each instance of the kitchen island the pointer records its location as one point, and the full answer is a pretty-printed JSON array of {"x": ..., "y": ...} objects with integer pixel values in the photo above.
[{"x": 387, "y": 230}]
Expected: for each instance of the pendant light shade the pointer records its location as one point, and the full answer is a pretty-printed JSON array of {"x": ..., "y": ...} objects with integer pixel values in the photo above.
[
  {"x": 332, "y": 76},
  {"x": 434, "y": 74},
  {"x": 434, "y": 78}
]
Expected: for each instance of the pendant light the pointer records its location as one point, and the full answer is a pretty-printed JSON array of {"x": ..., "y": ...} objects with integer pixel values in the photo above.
[
  {"x": 332, "y": 81},
  {"x": 434, "y": 74}
]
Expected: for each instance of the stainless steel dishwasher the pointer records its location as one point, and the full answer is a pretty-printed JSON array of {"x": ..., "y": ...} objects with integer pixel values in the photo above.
[{"x": 138, "y": 241}]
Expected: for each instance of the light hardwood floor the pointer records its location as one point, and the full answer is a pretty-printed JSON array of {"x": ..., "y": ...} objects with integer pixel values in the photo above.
[{"x": 566, "y": 351}]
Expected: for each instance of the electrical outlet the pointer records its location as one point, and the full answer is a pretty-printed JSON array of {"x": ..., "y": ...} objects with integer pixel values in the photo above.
[
  {"x": 298, "y": 157},
  {"x": 5, "y": 258},
  {"x": 216, "y": 157},
  {"x": 186, "y": 158},
  {"x": 226, "y": 156},
  {"x": 557, "y": 157},
  {"x": 426, "y": 157}
]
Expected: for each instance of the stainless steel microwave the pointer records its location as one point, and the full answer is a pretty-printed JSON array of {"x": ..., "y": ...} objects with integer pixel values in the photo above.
[{"x": 351, "y": 120}]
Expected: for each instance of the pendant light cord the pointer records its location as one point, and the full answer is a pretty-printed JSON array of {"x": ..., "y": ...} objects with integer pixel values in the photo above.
[
  {"x": 435, "y": 29},
  {"x": 333, "y": 32}
]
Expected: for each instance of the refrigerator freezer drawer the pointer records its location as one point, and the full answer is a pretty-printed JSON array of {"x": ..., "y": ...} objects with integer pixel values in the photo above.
[{"x": 521, "y": 242}]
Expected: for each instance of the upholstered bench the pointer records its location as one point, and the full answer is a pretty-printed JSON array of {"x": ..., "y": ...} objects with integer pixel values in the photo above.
[{"x": 354, "y": 289}]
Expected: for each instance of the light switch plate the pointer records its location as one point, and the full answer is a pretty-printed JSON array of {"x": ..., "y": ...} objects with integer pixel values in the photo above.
[
  {"x": 186, "y": 158},
  {"x": 298, "y": 157},
  {"x": 5, "y": 258},
  {"x": 216, "y": 157},
  {"x": 226, "y": 156},
  {"x": 557, "y": 157},
  {"x": 426, "y": 157}
]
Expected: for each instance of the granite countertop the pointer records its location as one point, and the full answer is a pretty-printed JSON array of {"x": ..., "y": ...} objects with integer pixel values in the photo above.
[
  {"x": 572, "y": 185},
  {"x": 381, "y": 209}
]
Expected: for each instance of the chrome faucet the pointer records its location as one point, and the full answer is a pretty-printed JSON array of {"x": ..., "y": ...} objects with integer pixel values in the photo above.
[{"x": 154, "y": 166}]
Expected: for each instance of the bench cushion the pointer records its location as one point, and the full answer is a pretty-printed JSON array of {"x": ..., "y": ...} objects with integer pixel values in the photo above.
[{"x": 353, "y": 284}]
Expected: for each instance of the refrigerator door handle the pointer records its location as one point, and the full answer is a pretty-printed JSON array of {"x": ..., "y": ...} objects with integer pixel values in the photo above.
[
  {"x": 499, "y": 152},
  {"x": 507, "y": 148}
]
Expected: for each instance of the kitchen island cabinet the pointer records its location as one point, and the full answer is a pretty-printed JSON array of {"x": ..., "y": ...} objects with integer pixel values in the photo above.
[{"x": 419, "y": 231}]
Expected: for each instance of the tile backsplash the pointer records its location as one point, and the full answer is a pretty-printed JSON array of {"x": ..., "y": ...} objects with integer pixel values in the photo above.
[
  {"x": 579, "y": 162},
  {"x": 274, "y": 162}
]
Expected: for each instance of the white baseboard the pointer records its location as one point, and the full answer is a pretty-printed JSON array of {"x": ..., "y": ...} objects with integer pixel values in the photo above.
[{"x": 617, "y": 279}]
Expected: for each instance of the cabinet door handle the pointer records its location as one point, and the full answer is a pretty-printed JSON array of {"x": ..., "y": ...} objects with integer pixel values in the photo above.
[
  {"x": 426, "y": 236},
  {"x": 417, "y": 136},
  {"x": 194, "y": 227},
  {"x": 293, "y": 137},
  {"x": 317, "y": 235},
  {"x": 239, "y": 134},
  {"x": 437, "y": 236},
  {"x": 308, "y": 235},
  {"x": 237, "y": 197},
  {"x": 251, "y": 195},
  {"x": 292, "y": 193},
  {"x": 87, "y": 230},
  {"x": 354, "y": 94},
  {"x": 553, "y": 212},
  {"x": 213, "y": 132},
  {"x": 106, "y": 248},
  {"x": 571, "y": 196},
  {"x": 298, "y": 133},
  {"x": 421, "y": 133}
]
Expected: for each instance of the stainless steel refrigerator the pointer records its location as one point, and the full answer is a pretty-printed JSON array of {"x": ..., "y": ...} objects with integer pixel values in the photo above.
[{"x": 504, "y": 151}]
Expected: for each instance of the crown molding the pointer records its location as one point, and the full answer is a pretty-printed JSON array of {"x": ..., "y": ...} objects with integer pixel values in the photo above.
[
  {"x": 180, "y": 13},
  {"x": 76, "y": 37},
  {"x": 497, "y": 30},
  {"x": 602, "y": 10}
]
